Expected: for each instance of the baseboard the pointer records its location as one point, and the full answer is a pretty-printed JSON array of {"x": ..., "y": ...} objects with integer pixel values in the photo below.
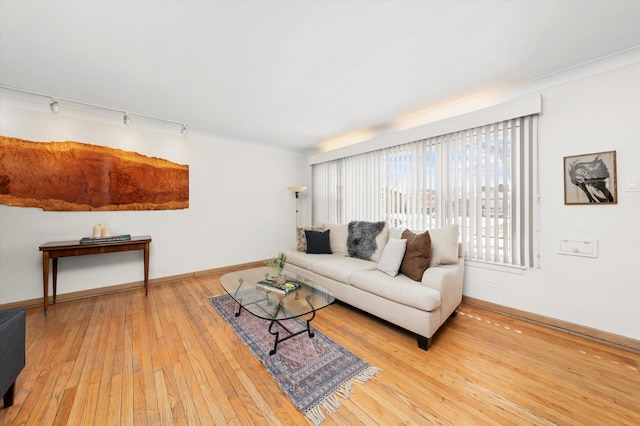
[
  {"x": 32, "y": 303},
  {"x": 227, "y": 269},
  {"x": 623, "y": 342}
]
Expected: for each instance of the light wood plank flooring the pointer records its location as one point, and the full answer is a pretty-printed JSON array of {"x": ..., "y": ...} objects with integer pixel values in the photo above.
[{"x": 127, "y": 359}]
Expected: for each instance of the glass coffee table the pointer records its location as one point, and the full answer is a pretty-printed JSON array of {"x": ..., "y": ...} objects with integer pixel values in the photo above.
[{"x": 273, "y": 305}]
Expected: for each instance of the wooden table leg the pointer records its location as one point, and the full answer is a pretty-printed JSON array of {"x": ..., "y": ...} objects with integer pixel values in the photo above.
[
  {"x": 146, "y": 269},
  {"x": 54, "y": 274},
  {"x": 45, "y": 279}
]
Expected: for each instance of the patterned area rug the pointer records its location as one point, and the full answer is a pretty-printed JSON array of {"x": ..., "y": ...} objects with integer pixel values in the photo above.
[{"x": 313, "y": 372}]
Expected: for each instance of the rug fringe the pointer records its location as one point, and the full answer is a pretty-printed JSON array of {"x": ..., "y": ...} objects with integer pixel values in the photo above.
[
  {"x": 366, "y": 375},
  {"x": 331, "y": 402}
]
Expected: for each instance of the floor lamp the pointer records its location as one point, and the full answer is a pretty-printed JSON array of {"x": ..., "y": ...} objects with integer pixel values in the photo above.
[{"x": 297, "y": 190}]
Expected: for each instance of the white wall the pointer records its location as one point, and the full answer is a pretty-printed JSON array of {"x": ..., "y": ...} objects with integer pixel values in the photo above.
[
  {"x": 598, "y": 113},
  {"x": 589, "y": 109},
  {"x": 239, "y": 207}
]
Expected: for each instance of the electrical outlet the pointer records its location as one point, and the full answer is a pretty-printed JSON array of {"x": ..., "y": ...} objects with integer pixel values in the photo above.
[{"x": 491, "y": 283}]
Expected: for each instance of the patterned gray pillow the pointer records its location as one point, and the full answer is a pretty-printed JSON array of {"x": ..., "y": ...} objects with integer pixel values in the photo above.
[
  {"x": 301, "y": 239},
  {"x": 361, "y": 242}
]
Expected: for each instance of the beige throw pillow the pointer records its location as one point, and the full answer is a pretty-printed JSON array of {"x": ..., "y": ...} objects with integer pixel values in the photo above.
[
  {"x": 444, "y": 245},
  {"x": 392, "y": 256}
]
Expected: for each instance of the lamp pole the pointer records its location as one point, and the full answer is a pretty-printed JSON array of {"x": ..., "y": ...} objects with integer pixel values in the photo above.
[
  {"x": 297, "y": 190},
  {"x": 297, "y": 196}
]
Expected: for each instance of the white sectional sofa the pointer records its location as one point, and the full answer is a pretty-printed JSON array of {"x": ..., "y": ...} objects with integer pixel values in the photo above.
[{"x": 418, "y": 306}]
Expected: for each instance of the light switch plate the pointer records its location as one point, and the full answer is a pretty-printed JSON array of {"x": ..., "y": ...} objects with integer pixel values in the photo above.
[{"x": 632, "y": 183}]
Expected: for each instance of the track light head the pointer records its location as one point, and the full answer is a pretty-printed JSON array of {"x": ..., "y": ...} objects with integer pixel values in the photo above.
[
  {"x": 126, "y": 119},
  {"x": 55, "y": 108},
  {"x": 183, "y": 130}
]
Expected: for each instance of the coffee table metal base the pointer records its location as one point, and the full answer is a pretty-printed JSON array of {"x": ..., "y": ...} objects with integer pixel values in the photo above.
[{"x": 290, "y": 333}]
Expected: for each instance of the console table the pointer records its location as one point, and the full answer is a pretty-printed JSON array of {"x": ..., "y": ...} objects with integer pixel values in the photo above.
[{"x": 57, "y": 249}]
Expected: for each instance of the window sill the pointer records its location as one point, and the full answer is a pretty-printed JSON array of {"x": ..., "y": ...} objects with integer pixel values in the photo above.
[{"x": 512, "y": 269}]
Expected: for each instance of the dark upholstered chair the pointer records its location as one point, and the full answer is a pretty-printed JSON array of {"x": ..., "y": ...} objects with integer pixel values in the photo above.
[{"x": 12, "y": 330}]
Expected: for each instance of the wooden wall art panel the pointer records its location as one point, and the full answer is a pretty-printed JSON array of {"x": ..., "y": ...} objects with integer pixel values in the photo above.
[{"x": 73, "y": 176}]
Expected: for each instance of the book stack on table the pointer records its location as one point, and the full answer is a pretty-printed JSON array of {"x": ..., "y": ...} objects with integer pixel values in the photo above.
[
  {"x": 270, "y": 284},
  {"x": 110, "y": 238}
]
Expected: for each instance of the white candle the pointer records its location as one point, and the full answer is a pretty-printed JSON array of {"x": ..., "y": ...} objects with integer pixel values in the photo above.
[{"x": 97, "y": 231}]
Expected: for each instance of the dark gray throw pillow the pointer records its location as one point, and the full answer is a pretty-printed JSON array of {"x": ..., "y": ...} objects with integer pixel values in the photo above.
[
  {"x": 318, "y": 242},
  {"x": 361, "y": 242}
]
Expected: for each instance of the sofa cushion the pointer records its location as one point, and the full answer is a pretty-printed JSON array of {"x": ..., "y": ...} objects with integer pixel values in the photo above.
[
  {"x": 417, "y": 255},
  {"x": 305, "y": 260},
  {"x": 444, "y": 245},
  {"x": 338, "y": 238},
  {"x": 318, "y": 242},
  {"x": 392, "y": 256},
  {"x": 361, "y": 241},
  {"x": 400, "y": 289},
  {"x": 341, "y": 269},
  {"x": 301, "y": 238}
]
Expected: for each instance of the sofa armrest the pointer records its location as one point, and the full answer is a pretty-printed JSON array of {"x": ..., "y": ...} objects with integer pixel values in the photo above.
[{"x": 447, "y": 280}]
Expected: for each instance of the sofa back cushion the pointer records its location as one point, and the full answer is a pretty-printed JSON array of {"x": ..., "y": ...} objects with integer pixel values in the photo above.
[
  {"x": 338, "y": 239},
  {"x": 395, "y": 233},
  {"x": 444, "y": 245}
]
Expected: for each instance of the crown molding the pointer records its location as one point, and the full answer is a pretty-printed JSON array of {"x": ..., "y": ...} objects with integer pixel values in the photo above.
[{"x": 420, "y": 126}]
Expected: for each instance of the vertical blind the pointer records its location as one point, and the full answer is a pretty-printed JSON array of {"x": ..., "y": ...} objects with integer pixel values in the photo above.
[{"x": 481, "y": 179}]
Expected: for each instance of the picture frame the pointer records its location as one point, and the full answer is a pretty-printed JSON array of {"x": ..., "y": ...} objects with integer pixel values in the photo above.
[{"x": 590, "y": 178}]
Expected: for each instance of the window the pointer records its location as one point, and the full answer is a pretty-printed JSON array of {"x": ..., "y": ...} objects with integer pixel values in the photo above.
[{"x": 481, "y": 179}]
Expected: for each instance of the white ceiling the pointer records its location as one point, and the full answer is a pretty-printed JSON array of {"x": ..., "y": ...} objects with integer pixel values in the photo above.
[{"x": 296, "y": 73}]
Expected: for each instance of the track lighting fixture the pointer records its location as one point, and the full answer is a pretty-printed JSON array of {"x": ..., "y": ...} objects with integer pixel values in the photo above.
[{"x": 54, "y": 106}]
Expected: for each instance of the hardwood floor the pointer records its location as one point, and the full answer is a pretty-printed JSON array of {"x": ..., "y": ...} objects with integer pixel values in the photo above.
[{"x": 168, "y": 358}]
